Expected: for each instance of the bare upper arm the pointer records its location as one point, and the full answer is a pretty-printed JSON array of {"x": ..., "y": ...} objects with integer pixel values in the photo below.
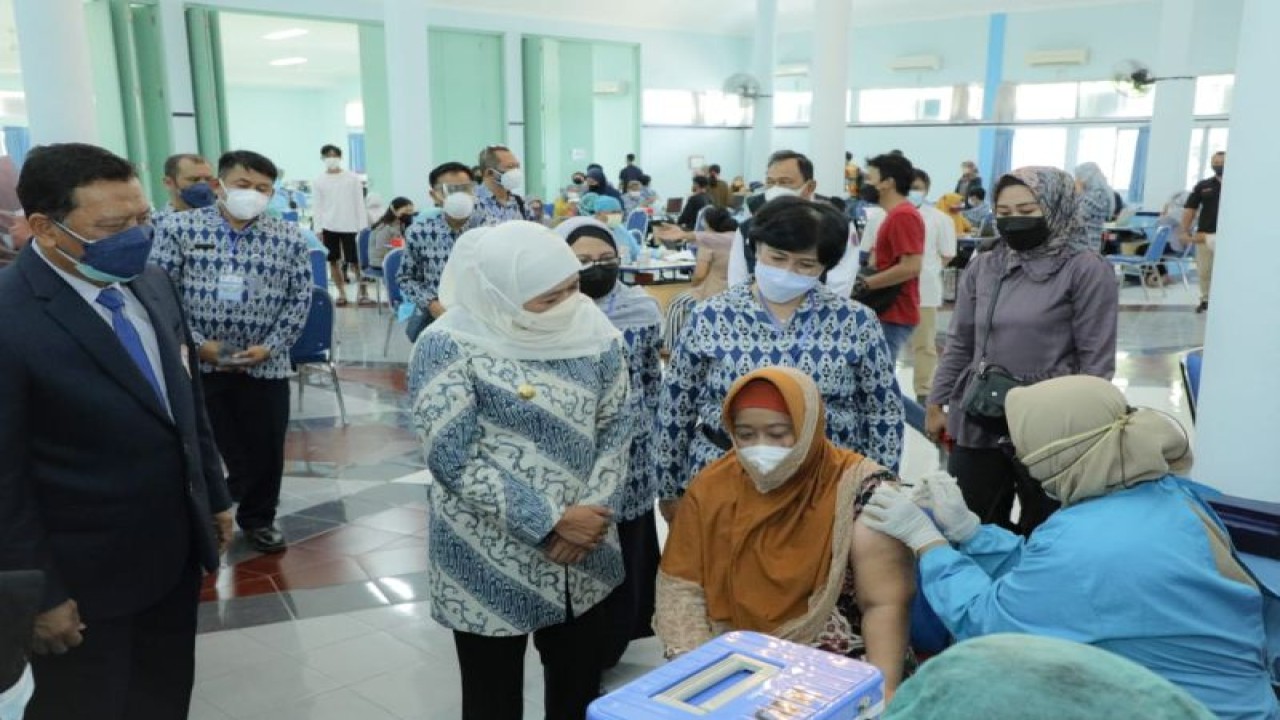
[{"x": 884, "y": 568}]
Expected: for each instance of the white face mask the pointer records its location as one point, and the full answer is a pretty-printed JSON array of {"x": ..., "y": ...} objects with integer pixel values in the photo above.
[
  {"x": 332, "y": 163},
  {"x": 916, "y": 197},
  {"x": 634, "y": 194},
  {"x": 513, "y": 180},
  {"x": 778, "y": 191},
  {"x": 459, "y": 206},
  {"x": 781, "y": 286},
  {"x": 764, "y": 458},
  {"x": 613, "y": 219},
  {"x": 555, "y": 320},
  {"x": 244, "y": 204}
]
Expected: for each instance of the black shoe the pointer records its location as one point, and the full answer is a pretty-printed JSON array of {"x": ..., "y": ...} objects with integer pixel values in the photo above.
[
  {"x": 267, "y": 539},
  {"x": 1203, "y": 306}
]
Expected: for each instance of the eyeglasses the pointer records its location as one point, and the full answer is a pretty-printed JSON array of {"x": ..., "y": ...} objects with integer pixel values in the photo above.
[
  {"x": 605, "y": 262},
  {"x": 451, "y": 188}
]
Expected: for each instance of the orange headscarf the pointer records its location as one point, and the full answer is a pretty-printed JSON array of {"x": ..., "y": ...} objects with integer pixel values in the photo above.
[
  {"x": 770, "y": 552},
  {"x": 948, "y": 204}
]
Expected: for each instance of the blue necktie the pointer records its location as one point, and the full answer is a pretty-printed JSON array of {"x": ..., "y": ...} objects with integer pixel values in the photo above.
[{"x": 113, "y": 300}]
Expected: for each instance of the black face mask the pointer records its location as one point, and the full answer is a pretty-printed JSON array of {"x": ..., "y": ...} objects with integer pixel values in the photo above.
[
  {"x": 598, "y": 281},
  {"x": 1022, "y": 232},
  {"x": 1217, "y": 170},
  {"x": 579, "y": 181},
  {"x": 870, "y": 194}
]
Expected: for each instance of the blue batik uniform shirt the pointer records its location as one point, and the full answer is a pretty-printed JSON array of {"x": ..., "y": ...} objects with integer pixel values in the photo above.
[
  {"x": 428, "y": 244},
  {"x": 200, "y": 250}
]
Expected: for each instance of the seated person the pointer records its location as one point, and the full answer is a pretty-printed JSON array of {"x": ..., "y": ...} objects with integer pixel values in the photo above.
[
  {"x": 768, "y": 538},
  {"x": 952, "y": 204},
  {"x": 977, "y": 211},
  {"x": 1134, "y": 562},
  {"x": 609, "y": 211},
  {"x": 1039, "y": 678},
  {"x": 389, "y": 229},
  {"x": 633, "y": 198}
]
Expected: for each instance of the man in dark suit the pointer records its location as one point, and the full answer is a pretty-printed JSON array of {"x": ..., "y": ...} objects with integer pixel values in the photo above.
[{"x": 109, "y": 480}]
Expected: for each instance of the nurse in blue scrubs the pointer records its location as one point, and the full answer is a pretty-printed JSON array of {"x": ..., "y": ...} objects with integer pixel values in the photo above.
[{"x": 1134, "y": 562}]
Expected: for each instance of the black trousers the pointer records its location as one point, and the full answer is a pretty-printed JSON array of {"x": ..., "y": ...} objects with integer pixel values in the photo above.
[
  {"x": 250, "y": 418},
  {"x": 572, "y": 663},
  {"x": 632, "y": 602},
  {"x": 990, "y": 480},
  {"x": 139, "y": 667}
]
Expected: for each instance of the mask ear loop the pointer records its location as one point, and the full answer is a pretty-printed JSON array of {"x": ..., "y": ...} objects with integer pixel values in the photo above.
[{"x": 1186, "y": 436}]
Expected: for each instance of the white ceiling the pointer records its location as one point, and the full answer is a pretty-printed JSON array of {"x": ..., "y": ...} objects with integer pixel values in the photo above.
[{"x": 332, "y": 50}]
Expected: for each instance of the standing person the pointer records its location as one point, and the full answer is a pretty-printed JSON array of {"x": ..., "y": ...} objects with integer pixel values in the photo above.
[
  {"x": 1201, "y": 210},
  {"x": 1038, "y": 306},
  {"x": 939, "y": 249},
  {"x": 718, "y": 189},
  {"x": 339, "y": 213},
  {"x": 520, "y": 398},
  {"x": 599, "y": 184},
  {"x": 630, "y": 172},
  {"x": 1097, "y": 202},
  {"x": 635, "y": 314},
  {"x": 502, "y": 180},
  {"x": 698, "y": 199},
  {"x": 393, "y": 224},
  {"x": 969, "y": 178},
  {"x": 785, "y": 316},
  {"x": 245, "y": 284},
  {"x": 191, "y": 183},
  {"x": 109, "y": 480}
]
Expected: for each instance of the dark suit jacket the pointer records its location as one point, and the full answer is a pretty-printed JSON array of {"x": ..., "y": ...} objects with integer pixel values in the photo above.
[{"x": 99, "y": 487}]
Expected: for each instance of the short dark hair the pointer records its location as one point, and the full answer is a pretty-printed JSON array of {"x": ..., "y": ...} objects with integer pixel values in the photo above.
[
  {"x": 806, "y": 165},
  {"x": 174, "y": 161},
  {"x": 795, "y": 224},
  {"x": 714, "y": 168},
  {"x": 978, "y": 192},
  {"x": 645, "y": 180},
  {"x": 249, "y": 160},
  {"x": 838, "y": 203},
  {"x": 52, "y": 174},
  {"x": 631, "y": 157},
  {"x": 848, "y": 156},
  {"x": 447, "y": 169},
  {"x": 718, "y": 219},
  {"x": 894, "y": 167},
  {"x": 701, "y": 181},
  {"x": 330, "y": 150},
  {"x": 923, "y": 177}
]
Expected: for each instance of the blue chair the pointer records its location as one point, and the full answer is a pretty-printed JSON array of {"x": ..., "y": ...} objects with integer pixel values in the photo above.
[
  {"x": 1191, "y": 363},
  {"x": 638, "y": 221},
  {"x": 319, "y": 268},
  {"x": 1145, "y": 266},
  {"x": 391, "y": 271},
  {"x": 1183, "y": 262},
  {"x": 315, "y": 346},
  {"x": 367, "y": 270}
]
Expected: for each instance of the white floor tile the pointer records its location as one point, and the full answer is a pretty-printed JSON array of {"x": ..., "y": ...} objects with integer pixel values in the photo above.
[
  {"x": 429, "y": 689},
  {"x": 303, "y": 636},
  {"x": 422, "y": 477},
  {"x": 201, "y": 710},
  {"x": 264, "y": 687},
  {"x": 393, "y": 617},
  {"x": 222, "y": 653},
  {"x": 361, "y": 658},
  {"x": 336, "y": 705}
]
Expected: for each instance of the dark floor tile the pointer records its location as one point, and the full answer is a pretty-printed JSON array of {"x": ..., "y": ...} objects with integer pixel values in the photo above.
[
  {"x": 299, "y": 526},
  {"x": 336, "y": 599},
  {"x": 413, "y": 587},
  {"x": 227, "y": 585},
  {"x": 242, "y": 613},
  {"x": 395, "y": 494},
  {"x": 399, "y": 520},
  {"x": 336, "y": 571},
  {"x": 346, "y": 510},
  {"x": 302, "y": 467},
  {"x": 350, "y": 540}
]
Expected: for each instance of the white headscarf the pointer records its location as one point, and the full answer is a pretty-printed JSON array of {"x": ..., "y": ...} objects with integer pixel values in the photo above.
[{"x": 493, "y": 271}]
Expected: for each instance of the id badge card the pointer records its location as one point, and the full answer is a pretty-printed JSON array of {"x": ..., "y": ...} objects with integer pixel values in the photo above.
[{"x": 232, "y": 288}]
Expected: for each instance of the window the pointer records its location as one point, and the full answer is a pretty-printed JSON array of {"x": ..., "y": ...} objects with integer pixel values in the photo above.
[
  {"x": 905, "y": 105},
  {"x": 1045, "y": 101},
  {"x": 723, "y": 109},
  {"x": 1113, "y": 149},
  {"x": 669, "y": 107},
  {"x": 1205, "y": 141},
  {"x": 1039, "y": 146},
  {"x": 1213, "y": 94},
  {"x": 976, "y": 99},
  {"x": 1102, "y": 100},
  {"x": 1069, "y": 101},
  {"x": 792, "y": 107}
]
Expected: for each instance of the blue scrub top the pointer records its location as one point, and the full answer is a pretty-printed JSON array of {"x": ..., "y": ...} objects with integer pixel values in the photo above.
[{"x": 1133, "y": 572}]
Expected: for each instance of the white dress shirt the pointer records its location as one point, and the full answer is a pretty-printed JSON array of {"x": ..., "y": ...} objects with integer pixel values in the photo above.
[
  {"x": 840, "y": 279},
  {"x": 939, "y": 242},
  {"x": 133, "y": 310},
  {"x": 338, "y": 203}
]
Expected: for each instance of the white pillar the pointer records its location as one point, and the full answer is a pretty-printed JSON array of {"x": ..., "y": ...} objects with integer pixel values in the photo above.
[
  {"x": 1239, "y": 407},
  {"x": 829, "y": 71},
  {"x": 409, "y": 96},
  {"x": 513, "y": 64},
  {"x": 1171, "y": 121},
  {"x": 177, "y": 61},
  {"x": 56, "y": 72},
  {"x": 763, "y": 52}
]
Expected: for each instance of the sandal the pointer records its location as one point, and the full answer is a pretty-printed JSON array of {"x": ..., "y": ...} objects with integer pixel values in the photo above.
[
  {"x": 340, "y": 302},
  {"x": 366, "y": 302}
]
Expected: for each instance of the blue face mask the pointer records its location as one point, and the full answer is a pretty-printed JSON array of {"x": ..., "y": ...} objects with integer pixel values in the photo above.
[
  {"x": 116, "y": 258},
  {"x": 198, "y": 196},
  {"x": 781, "y": 286}
]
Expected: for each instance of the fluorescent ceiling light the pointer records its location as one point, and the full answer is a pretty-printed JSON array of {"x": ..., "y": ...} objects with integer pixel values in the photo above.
[
  {"x": 285, "y": 62},
  {"x": 285, "y": 34}
]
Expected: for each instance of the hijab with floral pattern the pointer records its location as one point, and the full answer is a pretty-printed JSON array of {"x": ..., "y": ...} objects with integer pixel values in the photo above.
[{"x": 1055, "y": 191}]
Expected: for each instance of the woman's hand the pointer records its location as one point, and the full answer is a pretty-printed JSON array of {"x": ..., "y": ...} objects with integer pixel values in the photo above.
[
  {"x": 585, "y": 525},
  {"x": 942, "y": 496},
  {"x": 562, "y": 551},
  {"x": 892, "y": 512},
  {"x": 935, "y": 423}
]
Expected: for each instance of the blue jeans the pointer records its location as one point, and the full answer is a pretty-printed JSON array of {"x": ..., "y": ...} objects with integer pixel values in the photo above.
[{"x": 896, "y": 336}]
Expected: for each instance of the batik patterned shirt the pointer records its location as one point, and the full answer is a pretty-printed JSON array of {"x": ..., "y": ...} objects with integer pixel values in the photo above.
[
  {"x": 644, "y": 343},
  {"x": 203, "y": 253},
  {"x": 427, "y": 245},
  {"x": 838, "y": 342},
  {"x": 511, "y": 445},
  {"x": 491, "y": 211}
]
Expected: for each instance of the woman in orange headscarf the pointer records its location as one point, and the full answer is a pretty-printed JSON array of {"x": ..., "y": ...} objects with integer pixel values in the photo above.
[
  {"x": 953, "y": 205},
  {"x": 768, "y": 539}
]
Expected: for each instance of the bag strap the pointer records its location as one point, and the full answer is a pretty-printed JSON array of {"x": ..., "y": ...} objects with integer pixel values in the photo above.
[{"x": 991, "y": 313}]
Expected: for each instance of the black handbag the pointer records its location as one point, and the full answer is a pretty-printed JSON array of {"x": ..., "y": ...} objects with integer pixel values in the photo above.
[
  {"x": 984, "y": 400},
  {"x": 880, "y": 299}
]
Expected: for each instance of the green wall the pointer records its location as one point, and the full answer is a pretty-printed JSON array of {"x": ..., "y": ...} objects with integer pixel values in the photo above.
[
  {"x": 375, "y": 92},
  {"x": 468, "y": 90}
]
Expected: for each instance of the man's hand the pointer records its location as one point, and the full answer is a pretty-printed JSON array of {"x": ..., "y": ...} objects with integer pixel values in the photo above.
[
  {"x": 58, "y": 629},
  {"x": 1200, "y": 238},
  {"x": 255, "y": 354},
  {"x": 436, "y": 309},
  {"x": 585, "y": 525},
  {"x": 562, "y": 551},
  {"x": 223, "y": 529},
  {"x": 209, "y": 351},
  {"x": 935, "y": 423}
]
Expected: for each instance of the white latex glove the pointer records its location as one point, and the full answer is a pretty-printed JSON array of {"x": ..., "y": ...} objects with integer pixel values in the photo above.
[
  {"x": 892, "y": 512},
  {"x": 939, "y": 493}
]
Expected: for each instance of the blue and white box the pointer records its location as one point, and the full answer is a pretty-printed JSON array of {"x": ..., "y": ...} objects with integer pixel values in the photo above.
[{"x": 748, "y": 675}]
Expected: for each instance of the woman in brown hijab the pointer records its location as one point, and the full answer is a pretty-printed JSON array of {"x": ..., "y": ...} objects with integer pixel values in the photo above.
[{"x": 767, "y": 538}]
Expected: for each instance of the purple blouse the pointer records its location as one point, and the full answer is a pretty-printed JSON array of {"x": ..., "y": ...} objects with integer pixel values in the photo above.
[{"x": 1053, "y": 317}]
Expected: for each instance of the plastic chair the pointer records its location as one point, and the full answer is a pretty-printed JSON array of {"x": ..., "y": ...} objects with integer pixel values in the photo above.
[
  {"x": 1183, "y": 262},
  {"x": 367, "y": 270},
  {"x": 319, "y": 268},
  {"x": 1191, "y": 364},
  {"x": 391, "y": 271},
  {"x": 1145, "y": 266},
  {"x": 699, "y": 225},
  {"x": 638, "y": 221},
  {"x": 315, "y": 346}
]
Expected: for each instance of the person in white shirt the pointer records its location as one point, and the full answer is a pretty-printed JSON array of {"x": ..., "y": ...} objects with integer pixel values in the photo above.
[
  {"x": 790, "y": 173},
  {"x": 339, "y": 213}
]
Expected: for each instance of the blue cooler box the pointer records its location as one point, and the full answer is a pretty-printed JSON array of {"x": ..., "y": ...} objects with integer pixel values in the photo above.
[{"x": 746, "y": 675}]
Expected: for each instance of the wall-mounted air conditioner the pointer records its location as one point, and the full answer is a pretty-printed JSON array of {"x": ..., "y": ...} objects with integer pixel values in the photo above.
[
  {"x": 916, "y": 62},
  {"x": 791, "y": 70},
  {"x": 610, "y": 87},
  {"x": 1072, "y": 56}
]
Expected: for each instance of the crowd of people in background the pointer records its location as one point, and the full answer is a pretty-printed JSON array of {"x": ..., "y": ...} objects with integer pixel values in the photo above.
[{"x": 561, "y": 410}]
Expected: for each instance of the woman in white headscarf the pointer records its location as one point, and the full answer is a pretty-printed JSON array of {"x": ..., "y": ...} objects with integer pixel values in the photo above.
[
  {"x": 519, "y": 397},
  {"x": 1134, "y": 562}
]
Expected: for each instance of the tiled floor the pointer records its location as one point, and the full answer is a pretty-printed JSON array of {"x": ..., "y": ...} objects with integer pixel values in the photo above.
[{"x": 338, "y": 627}]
